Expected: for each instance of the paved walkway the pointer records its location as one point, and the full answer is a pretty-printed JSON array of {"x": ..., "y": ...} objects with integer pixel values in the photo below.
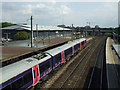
[{"x": 112, "y": 74}]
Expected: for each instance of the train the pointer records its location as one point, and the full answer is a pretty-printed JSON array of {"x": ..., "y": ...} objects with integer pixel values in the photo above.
[{"x": 28, "y": 72}]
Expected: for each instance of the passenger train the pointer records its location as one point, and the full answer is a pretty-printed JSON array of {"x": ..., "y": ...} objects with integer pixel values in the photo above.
[{"x": 28, "y": 72}]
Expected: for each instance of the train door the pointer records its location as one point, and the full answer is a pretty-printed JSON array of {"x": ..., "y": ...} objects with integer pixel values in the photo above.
[
  {"x": 63, "y": 56},
  {"x": 73, "y": 50},
  {"x": 35, "y": 71},
  {"x": 84, "y": 43},
  {"x": 80, "y": 46}
]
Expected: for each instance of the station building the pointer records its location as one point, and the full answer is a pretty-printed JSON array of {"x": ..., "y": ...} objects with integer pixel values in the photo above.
[{"x": 38, "y": 30}]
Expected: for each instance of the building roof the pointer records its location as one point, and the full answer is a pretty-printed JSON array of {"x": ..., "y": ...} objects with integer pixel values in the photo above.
[
  {"x": 39, "y": 27},
  {"x": 17, "y": 27}
]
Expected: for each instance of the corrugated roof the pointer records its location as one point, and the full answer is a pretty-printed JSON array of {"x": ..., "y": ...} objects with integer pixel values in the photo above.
[{"x": 41, "y": 27}]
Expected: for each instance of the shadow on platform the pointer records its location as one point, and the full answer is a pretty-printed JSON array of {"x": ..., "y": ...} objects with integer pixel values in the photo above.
[{"x": 97, "y": 77}]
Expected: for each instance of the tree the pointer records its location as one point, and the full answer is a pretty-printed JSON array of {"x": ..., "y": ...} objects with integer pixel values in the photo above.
[
  {"x": 22, "y": 36},
  {"x": 5, "y": 24},
  {"x": 117, "y": 30},
  {"x": 0, "y": 25}
]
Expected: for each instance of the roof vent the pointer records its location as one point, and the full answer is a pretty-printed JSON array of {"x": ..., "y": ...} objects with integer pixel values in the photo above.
[
  {"x": 29, "y": 60},
  {"x": 40, "y": 56}
]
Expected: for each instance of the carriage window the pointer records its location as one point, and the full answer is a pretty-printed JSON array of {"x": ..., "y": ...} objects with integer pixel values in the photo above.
[
  {"x": 7, "y": 87},
  {"x": 77, "y": 46},
  {"x": 18, "y": 83},
  {"x": 69, "y": 51},
  {"x": 82, "y": 43},
  {"x": 44, "y": 67},
  {"x": 27, "y": 78},
  {"x": 57, "y": 58}
]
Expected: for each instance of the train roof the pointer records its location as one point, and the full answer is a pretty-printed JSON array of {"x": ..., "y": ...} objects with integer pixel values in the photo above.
[
  {"x": 14, "y": 69},
  {"x": 64, "y": 47}
]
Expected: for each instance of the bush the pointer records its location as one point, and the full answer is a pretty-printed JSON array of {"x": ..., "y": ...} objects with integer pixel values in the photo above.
[{"x": 22, "y": 36}]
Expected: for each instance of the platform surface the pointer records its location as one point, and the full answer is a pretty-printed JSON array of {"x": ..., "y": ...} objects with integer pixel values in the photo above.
[
  {"x": 112, "y": 73},
  {"x": 13, "y": 49}
]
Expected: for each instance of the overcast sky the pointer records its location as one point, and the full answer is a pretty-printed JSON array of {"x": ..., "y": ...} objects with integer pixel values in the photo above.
[{"x": 104, "y": 14}]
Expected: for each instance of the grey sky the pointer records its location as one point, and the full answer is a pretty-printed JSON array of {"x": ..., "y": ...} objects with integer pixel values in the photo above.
[
  {"x": 104, "y": 14},
  {"x": 119, "y": 13}
]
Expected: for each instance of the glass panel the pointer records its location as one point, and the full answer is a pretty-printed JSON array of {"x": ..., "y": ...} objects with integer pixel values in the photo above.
[
  {"x": 57, "y": 58},
  {"x": 44, "y": 67}
]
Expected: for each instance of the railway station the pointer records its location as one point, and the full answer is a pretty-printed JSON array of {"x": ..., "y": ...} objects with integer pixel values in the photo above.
[
  {"x": 112, "y": 64},
  {"x": 65, "y": 51},
  {"x": 61, "y": 46},
  {"x": 62, "y": 55}
]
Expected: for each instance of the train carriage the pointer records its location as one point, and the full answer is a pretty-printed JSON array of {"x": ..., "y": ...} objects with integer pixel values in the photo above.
[
  {"x": 24, "y": 73},
  {"x": 27, "y": 72},
  {"x": 66, "y": 51}
]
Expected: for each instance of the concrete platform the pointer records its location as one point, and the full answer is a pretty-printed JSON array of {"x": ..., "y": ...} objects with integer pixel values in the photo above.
[
  {"x": 11, "y": 50},
  {"x": 112, "y": 72}
]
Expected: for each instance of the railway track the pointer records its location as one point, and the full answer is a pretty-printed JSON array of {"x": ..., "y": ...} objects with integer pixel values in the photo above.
[
  {"x": 72, "y": 76},
  {"x": 96, "y": 79},
  {"x": 88, "y": 74}
]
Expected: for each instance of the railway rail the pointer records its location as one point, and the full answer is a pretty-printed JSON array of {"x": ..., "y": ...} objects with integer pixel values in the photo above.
[
  {"x": 97, "y": 75},
  {"x": 72, "y": 77}
]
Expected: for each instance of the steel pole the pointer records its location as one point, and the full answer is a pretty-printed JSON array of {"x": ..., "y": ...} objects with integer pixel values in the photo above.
[{"x": 31, "y": 33}]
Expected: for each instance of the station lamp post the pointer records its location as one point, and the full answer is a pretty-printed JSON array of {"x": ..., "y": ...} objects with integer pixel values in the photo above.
[
  {"x": 36, "y": 30},
  {"x": 31, "y": 32}
]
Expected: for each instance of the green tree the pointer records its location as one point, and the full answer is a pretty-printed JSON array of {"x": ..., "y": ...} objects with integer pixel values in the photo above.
[
  {"x": 0, "y": 25},
  {"x": 22, "y": 36},
  {"x": 117, "y": 30},
  {"x": 5, "y": 24}
]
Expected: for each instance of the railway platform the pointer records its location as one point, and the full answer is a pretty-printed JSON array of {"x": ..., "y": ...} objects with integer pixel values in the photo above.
[
  {"x": 11, "y": 50},
  {"x": 112, "y": 64}
]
